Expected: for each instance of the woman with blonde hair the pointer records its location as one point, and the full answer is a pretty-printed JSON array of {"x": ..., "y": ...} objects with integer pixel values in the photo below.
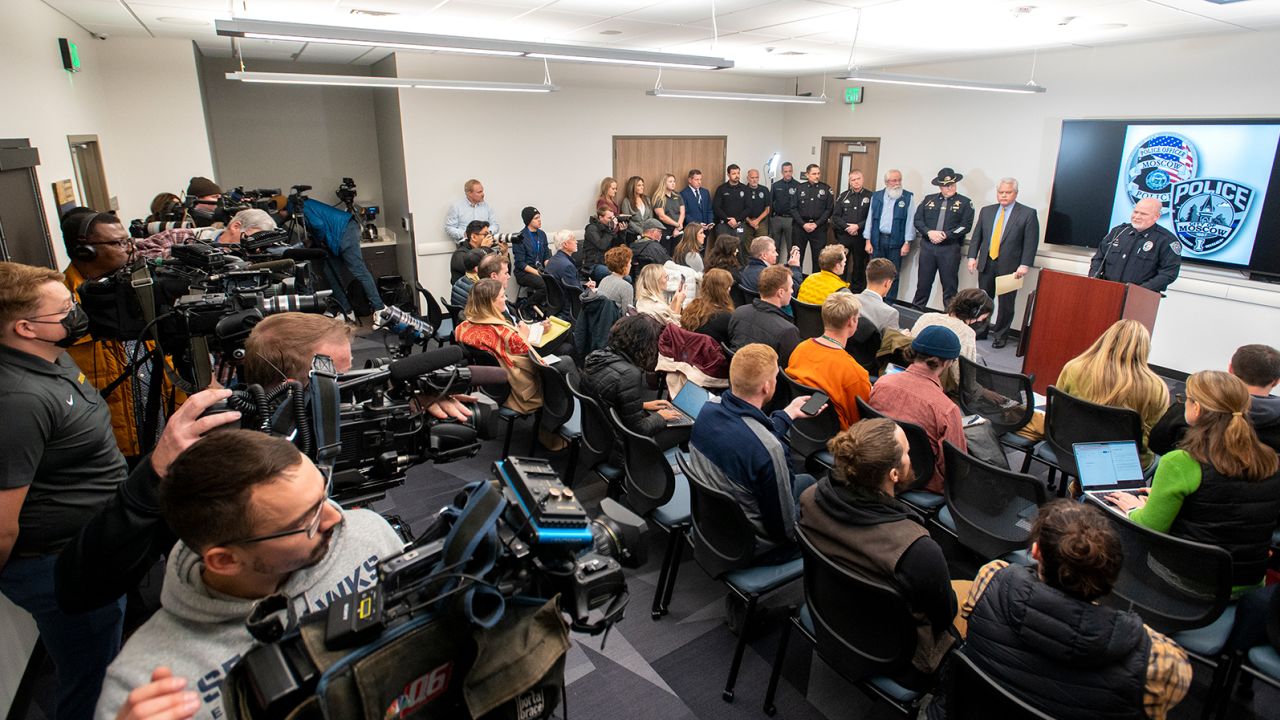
[
  {"x": 688, "y": 251},
  {"x": 1221, "y": 486},
  {"x": 669, "y": 208},
  {"x": 487, "y": 328},
  {"x": 651, "y": 296},
  {"x": 709, "y": 313},
  {"x": 634, "y": 204},
  {"x": 608, "y": 195}
]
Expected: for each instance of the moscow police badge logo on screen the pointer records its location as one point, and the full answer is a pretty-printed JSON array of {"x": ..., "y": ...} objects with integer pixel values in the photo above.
[
  {"x": 1157, "y": 163},
  {"x": 1207, "y": 212}
]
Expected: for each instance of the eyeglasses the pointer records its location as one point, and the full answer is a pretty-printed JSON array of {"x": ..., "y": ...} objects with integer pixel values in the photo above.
[
  {"x": 117, "y": 243},
  {"x": 312, "y": 526}
]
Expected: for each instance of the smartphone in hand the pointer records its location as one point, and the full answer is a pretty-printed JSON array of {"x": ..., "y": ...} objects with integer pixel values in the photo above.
[{"x": 814, "y": 403}]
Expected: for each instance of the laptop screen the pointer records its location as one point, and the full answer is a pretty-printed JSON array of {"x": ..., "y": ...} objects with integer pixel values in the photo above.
[
  {"x": 690, "y": 399},
  {"x": 1106, "y": 465}
]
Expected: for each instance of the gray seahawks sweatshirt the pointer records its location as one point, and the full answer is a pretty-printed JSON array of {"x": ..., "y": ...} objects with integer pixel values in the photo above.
[{"x": 200, "y": 634}]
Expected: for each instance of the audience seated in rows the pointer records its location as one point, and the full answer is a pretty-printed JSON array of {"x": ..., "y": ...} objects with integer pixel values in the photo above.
[
  {"x": 617, "y": 284},
  {"x": 969, "y": 307},
  {"x": 478, "y": 237},
  {"x": 1221, "y": 485},
  {"x": 709, "y": 313},
  {"x": 915, "y": 396},
  {"x": 688, "y": 251},
  {"x": 1041, "y": 632},
  {"x": 828, "y": 279},
  {"x": 743, "y": 452},
  {"x": 880, "y": 276},
  {"x": 854, "y": 517},
  {"x": 762, "y": 320},
  {"x": 764, "y": 254},
  {"x": 723, "y": 255},
  {"x": 651, "y": 296},
  {"x": 1259, "y": 367},
  {"x": 823, "y": 363},
  {"x": 488, "y": 327}
]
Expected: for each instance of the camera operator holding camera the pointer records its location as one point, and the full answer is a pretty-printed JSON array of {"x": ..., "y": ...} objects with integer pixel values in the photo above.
[
  {"x": 338, "y": 231},
  {"x": 254, "y": 519}
]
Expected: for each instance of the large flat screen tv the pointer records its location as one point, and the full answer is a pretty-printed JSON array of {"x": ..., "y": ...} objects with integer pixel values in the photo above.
[{"x": 1218, "y": 180}]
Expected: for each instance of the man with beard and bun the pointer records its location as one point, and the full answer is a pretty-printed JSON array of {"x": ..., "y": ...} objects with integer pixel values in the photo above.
[
  {"x": 254, "y": 519},
  {"x": 853, "y": 516},
  {"x": 889, "y": 229},
  {"x": 847, "y": 220}
]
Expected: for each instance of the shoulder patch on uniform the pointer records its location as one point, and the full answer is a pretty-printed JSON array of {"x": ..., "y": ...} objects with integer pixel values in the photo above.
[{"x": 1176, "y": 247}]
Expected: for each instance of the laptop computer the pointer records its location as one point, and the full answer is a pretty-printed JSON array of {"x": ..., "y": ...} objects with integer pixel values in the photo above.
[
  {"x": 1106, "y": 467},
  {"x": 689, "y": 402}
]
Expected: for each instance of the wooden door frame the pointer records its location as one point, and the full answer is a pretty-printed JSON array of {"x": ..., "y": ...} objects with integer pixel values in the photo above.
[
  {"x": 73, "y": 140},
  {"x": 839, "y": 184}
]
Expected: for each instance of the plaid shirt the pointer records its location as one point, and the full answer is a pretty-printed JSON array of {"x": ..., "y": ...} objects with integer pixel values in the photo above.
[{"x": 1168, "y": 672}]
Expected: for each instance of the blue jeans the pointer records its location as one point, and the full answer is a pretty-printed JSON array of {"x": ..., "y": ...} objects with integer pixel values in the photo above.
[
  {"x": 81, "y": 646},
  {"x": 599, "y": 273},
  {"x": 350, "y": 256}
]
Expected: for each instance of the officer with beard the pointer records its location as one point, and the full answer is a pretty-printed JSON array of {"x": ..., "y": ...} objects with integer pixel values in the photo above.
[
  {"x": 889, "y": 229},
  {"x": 848, "y": 219},
  {"x": 811, "y": 213}
]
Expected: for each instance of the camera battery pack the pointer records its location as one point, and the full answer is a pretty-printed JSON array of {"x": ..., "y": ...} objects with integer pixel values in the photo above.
[{"x": 354, "y": 619}]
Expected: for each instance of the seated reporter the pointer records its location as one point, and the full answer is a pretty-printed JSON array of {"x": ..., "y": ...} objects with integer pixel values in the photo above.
[
  {"x": 651, "y": 297},
  {"x": 617, "y": 284},
  {"x": 764, "y": 254},
  {"x": 709, "y": 313},
  {"x": 828, "y": 279},
  {"x": 823, "y": 363},
  {"x": 854, "y": 517},
  {"x": 478, "y": 238},
  {"x": 1221, "y": 486},
  {"x": 461, "y": 288},
  {"x": 969, "y": 307},
  {"x": 254, "y": 519},
  {"x": 487, "y": 328},
  {"x": 1259, "y": 367},
  {"x": 564, "y": 268},
  {"x": 1042, "y": 634},
  {"x": 762, "y": 320}
]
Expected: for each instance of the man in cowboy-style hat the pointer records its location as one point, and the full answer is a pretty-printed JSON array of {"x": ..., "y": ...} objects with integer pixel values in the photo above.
[{"x": 942, "y": 220}]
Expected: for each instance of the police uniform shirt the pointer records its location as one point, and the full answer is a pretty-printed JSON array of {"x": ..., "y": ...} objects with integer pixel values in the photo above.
[
  {"x": 957, "y": 222},
  {"x": 813, "y": 204},
  {"x": 730, "y": 202},
  {"x": 1151, "y": 258},
  {"x": 58, "y": 444},
  {"x": 783, "y": 195},
  {"x": 757, "y": 201},
  {"x": 852, "y": 208}
]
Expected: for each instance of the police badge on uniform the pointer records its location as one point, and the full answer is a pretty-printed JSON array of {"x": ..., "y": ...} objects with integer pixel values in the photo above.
[
  {"x": 902, "y": 203},
  {"x": 792, "y": 191},
  {"x": 1159, "y": 162},
  {"x": 742, "y": 193},
  {"x": 822, "y": 193},
  {"x": 1207, "y": 212},
  {"x": 866, "y": 201}
]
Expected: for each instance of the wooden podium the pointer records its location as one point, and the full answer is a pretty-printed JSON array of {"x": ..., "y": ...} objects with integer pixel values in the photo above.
[{"x": 1069, "y": 312}]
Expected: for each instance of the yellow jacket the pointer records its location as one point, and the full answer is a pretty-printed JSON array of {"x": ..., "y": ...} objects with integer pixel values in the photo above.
[{"x": 818, "y": 286}]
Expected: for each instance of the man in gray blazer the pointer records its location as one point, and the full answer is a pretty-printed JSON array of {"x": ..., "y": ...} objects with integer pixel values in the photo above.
[{"x": 1004, "y": 241}]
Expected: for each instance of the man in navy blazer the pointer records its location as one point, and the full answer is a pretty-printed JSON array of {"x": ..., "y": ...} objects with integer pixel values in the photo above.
[
  {"x": 697, "y": 200},
  {"x": 1015, "y": 251}
]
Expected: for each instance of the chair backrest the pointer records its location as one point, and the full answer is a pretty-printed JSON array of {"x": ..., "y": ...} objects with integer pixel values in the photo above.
[
  {"x": 993, "y": 508},
  {"x": 649, "y": 481},
  {"x": 748, "y": 296},
  {"x": 863, "y": 627},
  {"x": 808, "y": 319},
  {"x": 597, "y": 430},
  {"x": 434, "y": 314},
  {"x": 1069, "y": 420},
  {"x": 971, "y": 693},
  {"x": 728, "y": 351},
  {"x": 864, "y": 346},
  {"x": 1173, "y": 583},
  {"x": 557, "y": 400},
  {"x": 723, "y": 538},
  {"x": 923, "y": 458},
  {"x": 1004, "y": 398},
  {"x": 556, "y": 295},
  {"x": 735, "y": 294},
  {"x": 808, "y": 434},
  {"x": 453, "y": 311}
]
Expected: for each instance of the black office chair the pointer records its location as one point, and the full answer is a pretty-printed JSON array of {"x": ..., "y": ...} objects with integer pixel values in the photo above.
[
  {"x": 728, "y": 351},
  {"x": 808, "y": 319},
  {"x": 559, "y": 414},
  {"x": 654, "y": 491},
  {"x": 724, "y": 546},
  {"x": 1181, "y": 588},
  {"x": 1262, "y": 661},
  {"x": 862, "y": 628},
  {"x": 864, "y": 346},
  {"x": 1069, "y": 420},
  {"x": 808, "y": 435},
  {"x": 972, "y": 694},
  {"x": 479, "y": 356},
  {"x": 923, "y": 461},
  {"x": 436, "y": 317},
  {"x": 1004, "y": 398},
  {"x": 557, "y": 295},
  {"x": 598, "y": 438},
  {"x": 748, "y": 296},
  {"x": 989, "y": 509},
  {"x": 735, "y": 294}
]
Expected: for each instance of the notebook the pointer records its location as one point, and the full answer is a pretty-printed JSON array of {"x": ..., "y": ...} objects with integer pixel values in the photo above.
[
  {"x": 1108, "y": 466},
  {"x": 689, "y": 402}
]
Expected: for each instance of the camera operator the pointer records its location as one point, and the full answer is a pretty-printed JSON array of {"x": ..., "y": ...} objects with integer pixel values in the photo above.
[
  {"x": 339, "y": 233},
  {"x": 99, "y": 245},
  {"x": 206, "y": 193},
  {"x": 479, "y": 237},
  {"x": 254, "y": 519},
  {"x": 245, "y": 222},
  {"x": 59, "y": 464}
]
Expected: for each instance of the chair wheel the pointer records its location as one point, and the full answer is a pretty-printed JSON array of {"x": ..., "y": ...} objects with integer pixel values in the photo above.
[
  {"x": 728, "y": 696},
  {"x": 770, "y": 710}
]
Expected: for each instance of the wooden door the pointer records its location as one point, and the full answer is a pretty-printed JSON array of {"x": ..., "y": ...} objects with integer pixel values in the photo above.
[
  {"x": 842, "y": 156},
  {"x": 86, "y": 160},
  {"x": 652, "y": 156}
]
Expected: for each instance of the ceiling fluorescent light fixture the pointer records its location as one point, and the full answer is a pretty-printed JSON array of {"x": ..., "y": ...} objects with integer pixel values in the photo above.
[
  {"x": 387, "y": 82},
  {"x": 329, "y": 34},
  {"x": 941, "y": 82},
  {"x": 749, "y": 97}
]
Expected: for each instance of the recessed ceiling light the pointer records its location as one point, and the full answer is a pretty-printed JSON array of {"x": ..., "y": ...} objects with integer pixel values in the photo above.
[
  {"x": 188, "y": 22},
  {"x": 610, "y": 32}
]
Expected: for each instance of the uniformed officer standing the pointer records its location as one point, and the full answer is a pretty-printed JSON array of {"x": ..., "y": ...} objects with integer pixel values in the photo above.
[
  {"x": 811, "y": 213},
  {"x": 847, "y": 220},
  {"x": 943, "y": 219},
  {"x": 730, "y": 206},
  {"x": 757, "y": 209},
  {"x": 1139, "y": 251},
  {"x": 783, "y": 200}
]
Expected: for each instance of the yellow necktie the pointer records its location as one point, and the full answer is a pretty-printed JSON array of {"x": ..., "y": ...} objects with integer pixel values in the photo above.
[{"x": 995, "y": 235}]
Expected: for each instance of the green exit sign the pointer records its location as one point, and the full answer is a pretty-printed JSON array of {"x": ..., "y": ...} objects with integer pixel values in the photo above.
[
  {"x": 853, "y": 95},
  {"x": 70, "y": 55}
]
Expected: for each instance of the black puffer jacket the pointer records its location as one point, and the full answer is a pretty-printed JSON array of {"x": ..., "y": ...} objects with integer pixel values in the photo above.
[
  {"x": 597, "y": 241},
  {"x": 617, "y": 383},
  {"x": 762, "y": 322}
]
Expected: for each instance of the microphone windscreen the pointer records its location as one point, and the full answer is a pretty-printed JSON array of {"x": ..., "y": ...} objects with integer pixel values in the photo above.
[
  {"x": 487, "y": 375},
  {"x": 424, "y": 362},
  {"x": 304, "y": 254}
]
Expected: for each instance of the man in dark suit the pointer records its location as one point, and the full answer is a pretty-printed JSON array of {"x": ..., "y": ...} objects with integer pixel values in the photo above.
[
  {"x": 697, "y": 200},
  {"x": 1004, "y": 241}
]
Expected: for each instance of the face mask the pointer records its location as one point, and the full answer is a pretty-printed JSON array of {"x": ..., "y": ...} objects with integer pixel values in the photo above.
[{"x": 75, "y": 322}]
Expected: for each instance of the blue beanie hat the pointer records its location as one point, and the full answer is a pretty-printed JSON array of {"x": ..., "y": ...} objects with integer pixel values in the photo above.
[{"x": 938, "y": 341}]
